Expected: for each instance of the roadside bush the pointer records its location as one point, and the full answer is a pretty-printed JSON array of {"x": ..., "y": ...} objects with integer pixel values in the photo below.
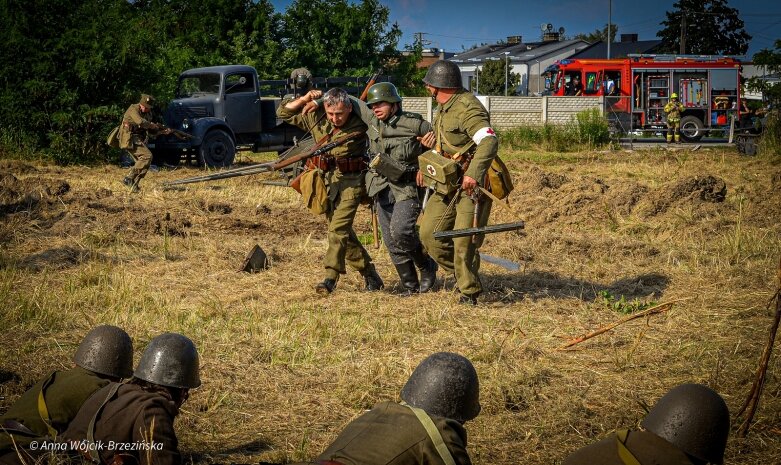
[
  {"x": 589, "y": 128},
  {"x": 771, "y": 136}
]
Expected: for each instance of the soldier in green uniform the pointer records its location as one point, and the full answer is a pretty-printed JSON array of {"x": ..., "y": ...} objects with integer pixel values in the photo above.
[
  {"x": 462, "y": 127},
  {"x": 426, "y": 428},
  {"x": 134, "y": 132},
  {"x": 397, "y": 135},
  {"x": 688, "y": 426},
  {"x": 46, "y": 409},
  {"x": 142, "y": 411},
  {"x": 344, "y": 167},
  {"x": 673, "y": 111}
]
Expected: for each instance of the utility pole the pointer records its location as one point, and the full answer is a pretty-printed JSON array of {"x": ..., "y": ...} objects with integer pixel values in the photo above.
[
  {"x": 609, "y": 21},
  {"x": 683, "y": 32},
  {"x": 506, "y": 64}
]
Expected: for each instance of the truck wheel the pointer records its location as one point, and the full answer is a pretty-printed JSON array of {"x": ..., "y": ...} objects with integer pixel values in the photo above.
[
  {"x": 217, "y": 149},
  {"x": 692, "y": 128}
]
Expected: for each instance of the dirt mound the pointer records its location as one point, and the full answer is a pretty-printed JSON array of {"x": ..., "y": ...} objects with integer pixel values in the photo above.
[
  {"x": 58, "y": 258},
  {"x": 695, "y": 189},
  {"x": 536, "y": 179},
  {"x": 167, "y": 224},
  {"x": 27, "y": 194},
  {"x": 16, "y": 166},
  {"x": 623, "y": 197}
]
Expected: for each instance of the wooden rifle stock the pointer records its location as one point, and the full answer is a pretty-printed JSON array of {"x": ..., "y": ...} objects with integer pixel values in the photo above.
[{"x": 370, "y": 83}]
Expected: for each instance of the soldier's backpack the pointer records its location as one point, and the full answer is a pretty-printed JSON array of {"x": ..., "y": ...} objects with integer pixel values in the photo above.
[{"x": 498, "y": 180}]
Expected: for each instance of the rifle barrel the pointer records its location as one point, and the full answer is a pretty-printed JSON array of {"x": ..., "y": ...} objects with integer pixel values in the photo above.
[{"x": 483, "y": 230}]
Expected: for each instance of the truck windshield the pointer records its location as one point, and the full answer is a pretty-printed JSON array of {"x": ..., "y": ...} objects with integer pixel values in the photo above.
[{"x": 198, "y": 84}]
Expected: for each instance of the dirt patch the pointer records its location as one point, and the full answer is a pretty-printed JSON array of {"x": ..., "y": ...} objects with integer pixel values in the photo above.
[
  {"x": 535, "y": 179},
  {"x": 57, "y": 258},
  {"x": 27, "y": 194},
  {"x": 167, "y": 224},
  {"x": 17, "y": 166},
  {"x": 695, "y": 189},
  {"x": 623, "y": 197}
]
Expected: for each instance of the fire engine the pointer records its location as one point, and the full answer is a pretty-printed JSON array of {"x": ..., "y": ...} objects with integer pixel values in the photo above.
[{"x": 637, "y": 88}]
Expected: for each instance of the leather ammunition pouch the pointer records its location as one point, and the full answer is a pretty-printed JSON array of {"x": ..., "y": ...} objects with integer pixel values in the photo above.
[
  {"x": 351, "y": 165},
  {"x": 388, "y": 166},
  {"x": 498, "y": 180},
  {"x": 439, "y": 173}
]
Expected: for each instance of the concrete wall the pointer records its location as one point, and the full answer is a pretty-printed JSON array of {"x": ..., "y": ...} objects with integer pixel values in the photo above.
[{"x": 511, "y": 112}]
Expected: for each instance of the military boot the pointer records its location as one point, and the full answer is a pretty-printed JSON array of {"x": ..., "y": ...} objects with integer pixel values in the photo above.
[
  {"x": 129, "y": 182},
  {"x": 408, "y": 277},
  {"x": 373, "y": 280},
  {"x": 428, "y": 269},
  {"x": 464, "y": 299},
  {"x": 326, "y": 287}
]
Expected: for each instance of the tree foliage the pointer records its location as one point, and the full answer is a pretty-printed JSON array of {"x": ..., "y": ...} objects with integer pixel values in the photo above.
[
  {"x": 492, "y": 78},
  {"x": 771, "y": 61},
  {"x": 711, "y": 28},
  {"x": 599, "y": 35},
  {"x": 69, "y": 68}
]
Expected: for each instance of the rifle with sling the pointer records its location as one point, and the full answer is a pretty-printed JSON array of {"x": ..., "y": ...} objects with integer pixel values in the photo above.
[
  {"x": 375, "y": 220},
  {"x": 314, "y": 151}
]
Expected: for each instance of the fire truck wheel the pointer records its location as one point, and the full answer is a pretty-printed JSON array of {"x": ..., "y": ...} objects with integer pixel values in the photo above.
[
  {"x": 692, "y": 128},
  {"x": 217, "y": 149}
]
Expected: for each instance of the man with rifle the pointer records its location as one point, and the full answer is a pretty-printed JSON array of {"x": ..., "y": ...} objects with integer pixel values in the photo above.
[
  {"x": 343, "y": 168},
  {"x": 134, "y": 132},
  {"x": 463, "y": 135}
]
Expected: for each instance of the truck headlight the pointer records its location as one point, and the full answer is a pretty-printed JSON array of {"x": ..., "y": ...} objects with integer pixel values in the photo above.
[{"x": 185, "y": 124}]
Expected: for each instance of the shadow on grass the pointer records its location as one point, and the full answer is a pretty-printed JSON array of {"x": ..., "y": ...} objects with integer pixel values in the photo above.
[{"x": 541, "y": 285}]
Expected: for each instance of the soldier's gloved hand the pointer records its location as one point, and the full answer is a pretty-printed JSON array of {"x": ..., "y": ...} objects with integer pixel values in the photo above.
[
  {"x": 428, "y": 140},
  {"x": 468, "y": 184}
]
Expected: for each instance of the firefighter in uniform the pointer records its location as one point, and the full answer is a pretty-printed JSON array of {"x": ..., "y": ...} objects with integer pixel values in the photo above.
[
  {"x": 462, "y": 127},
  {"x": 46, "y": 409},
  {"x": 391, "y": 183},
  {"x": 142, "y": 411},
  {"x": 439, "y": 397},
  {"x": 673, "y": 111},
  {"x": 344, "y": 167},
  {"x": 134, "y": 132},
  {"x": 688, "y": 426}
]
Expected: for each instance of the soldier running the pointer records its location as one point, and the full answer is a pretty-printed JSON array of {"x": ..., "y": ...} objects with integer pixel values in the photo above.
[{"x": 134, "y": 132}]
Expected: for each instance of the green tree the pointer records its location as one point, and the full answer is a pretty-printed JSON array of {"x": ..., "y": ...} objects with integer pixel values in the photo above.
[
  {"x": 708, "y": 27},
  {"x": 492, "y": 78},
  {"x": 599, "y": 34},
  {"x": 771, "y": 61},
  {"x": 337, "y": 37}
]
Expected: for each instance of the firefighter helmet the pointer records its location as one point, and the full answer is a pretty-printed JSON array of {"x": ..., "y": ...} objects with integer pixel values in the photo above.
[
  {"x": 106, "y": 350},
  {"x": 694, "y": 418},
  {"x": 383, "y": 92},
  {"x": 444, "y": 384},
  {"x": 673, "y": 95},
  {"x": 171, "y": 360},
  {"x": 443, "y": 74}
]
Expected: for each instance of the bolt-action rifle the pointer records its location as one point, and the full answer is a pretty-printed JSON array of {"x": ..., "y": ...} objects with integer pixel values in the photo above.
[
  {"x": 363, "y": 97},
  {"x": 314, "y": 151}
]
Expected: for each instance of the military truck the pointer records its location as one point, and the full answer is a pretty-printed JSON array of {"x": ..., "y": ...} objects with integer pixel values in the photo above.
[{"x": 223, "y": 110}]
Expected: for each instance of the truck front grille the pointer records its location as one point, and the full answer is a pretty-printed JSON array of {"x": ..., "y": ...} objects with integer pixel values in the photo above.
[{"x": 190, "y": 112}]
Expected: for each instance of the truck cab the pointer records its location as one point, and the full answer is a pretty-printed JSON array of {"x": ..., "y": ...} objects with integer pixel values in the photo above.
[{"x": 222, "y": 109}]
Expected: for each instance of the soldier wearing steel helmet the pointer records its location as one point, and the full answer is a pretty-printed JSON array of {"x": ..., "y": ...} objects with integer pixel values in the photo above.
[
  {"x": 463, "y": 130},
  {"x": 136, "y": 129},
  {"x": 46, "y": 409},
  {"x": 673, "y": 110},
  {"x": 397, "y": 134},
  {"x": 142, "y": 411},
  {"x": 688, "y": 426},
  {"x": 301, "y": 79},
  {"x": 440, "y": 396}
]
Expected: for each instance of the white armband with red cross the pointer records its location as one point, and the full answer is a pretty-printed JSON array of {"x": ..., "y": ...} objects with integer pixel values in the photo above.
[{"x": 482, "y": 134}]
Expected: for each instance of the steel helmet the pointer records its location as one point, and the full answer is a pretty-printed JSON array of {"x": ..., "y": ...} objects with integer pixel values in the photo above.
[
  {"x": 694, "y": 418},
  {"x": 301, "y": 77},
  {"x": 383, "y": 92},
  {"x": 443, "y": 74},
  {"x": 673, "y": 95},
  {"x": 444, "y": 384},
  {"x": 106, "y": 350},
  {"x": 171, "y": 360}
]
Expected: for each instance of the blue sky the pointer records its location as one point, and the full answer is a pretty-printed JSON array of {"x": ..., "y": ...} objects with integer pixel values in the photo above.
[{"x": 454, "y": 24}]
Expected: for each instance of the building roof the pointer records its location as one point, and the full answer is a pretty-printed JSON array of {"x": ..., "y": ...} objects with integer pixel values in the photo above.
[
  {"x": 517, "y": 53},
  {"x": 598, "y": 50}
]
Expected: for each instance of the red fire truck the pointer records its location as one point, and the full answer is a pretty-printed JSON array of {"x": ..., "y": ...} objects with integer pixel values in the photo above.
[{"x": 637, "y": 88}]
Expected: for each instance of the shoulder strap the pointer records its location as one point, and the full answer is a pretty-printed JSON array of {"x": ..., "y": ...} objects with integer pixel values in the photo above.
[
  {"x": 624, "y": 453},
  {"x": 43, "y": 410},
  {"x": 433, "y": 433},
  {"x": 93, "y": 453}
]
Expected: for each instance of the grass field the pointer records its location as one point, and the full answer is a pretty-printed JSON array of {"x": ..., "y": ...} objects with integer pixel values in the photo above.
[{"x": 284, "y": 370}]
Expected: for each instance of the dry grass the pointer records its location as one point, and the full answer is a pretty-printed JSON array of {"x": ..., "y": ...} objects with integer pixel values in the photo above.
[{"x": 285, "y": 370}]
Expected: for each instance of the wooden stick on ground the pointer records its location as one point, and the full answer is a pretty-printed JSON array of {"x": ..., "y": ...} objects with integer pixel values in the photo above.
[
  {"x": 663, "y": 307},
  {"x": 752, "y": 401}
]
